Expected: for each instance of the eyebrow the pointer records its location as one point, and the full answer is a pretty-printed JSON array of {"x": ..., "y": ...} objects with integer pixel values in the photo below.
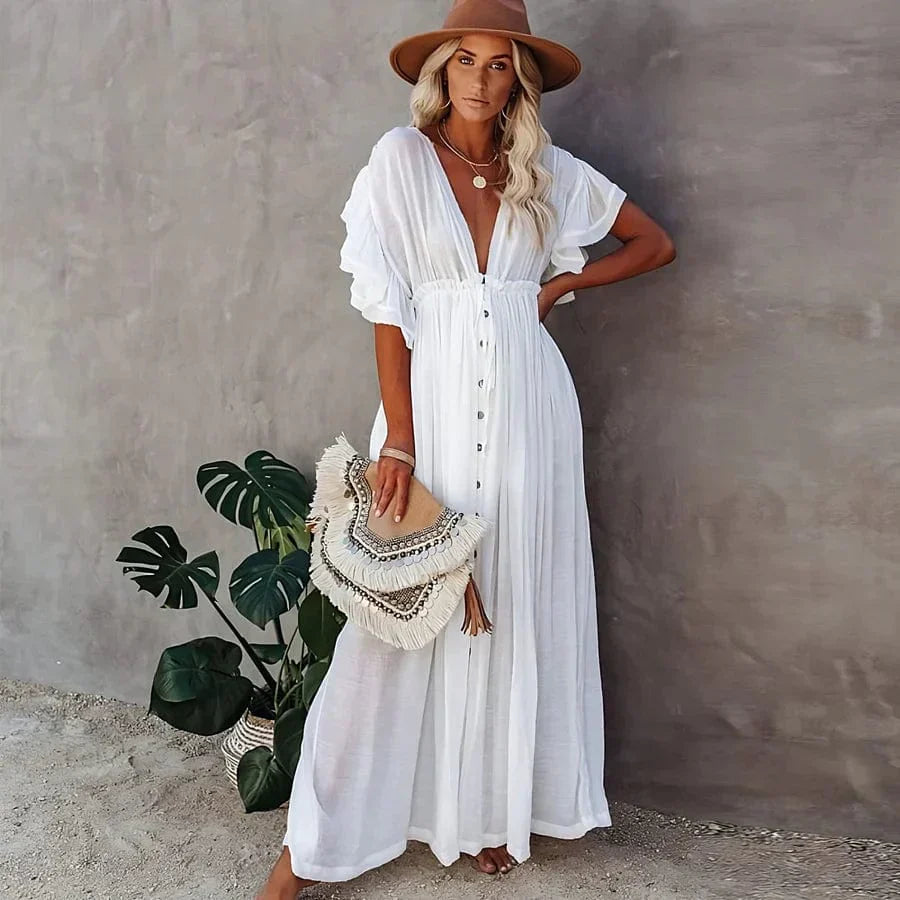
[{"x": 470, "y": 53}]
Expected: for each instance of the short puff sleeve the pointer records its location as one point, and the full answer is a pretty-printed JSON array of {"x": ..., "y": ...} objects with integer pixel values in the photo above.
[
  {"x": 378, "y": 290},
  {"x": 588, "y": 203}
]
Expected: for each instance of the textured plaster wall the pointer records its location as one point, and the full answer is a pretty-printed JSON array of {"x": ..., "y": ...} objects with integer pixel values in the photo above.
[{"x": 172, "y": 175}]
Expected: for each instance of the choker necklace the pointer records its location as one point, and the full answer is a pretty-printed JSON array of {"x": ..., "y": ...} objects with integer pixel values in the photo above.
[{"x": 478, "y": 180}]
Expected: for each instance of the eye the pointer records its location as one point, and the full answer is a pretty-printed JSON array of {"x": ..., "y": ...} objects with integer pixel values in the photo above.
[{"x": 498, "y": 62}]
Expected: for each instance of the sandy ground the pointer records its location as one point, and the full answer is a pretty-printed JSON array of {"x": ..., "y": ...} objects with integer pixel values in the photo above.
[{"x": 101, "y": 800}]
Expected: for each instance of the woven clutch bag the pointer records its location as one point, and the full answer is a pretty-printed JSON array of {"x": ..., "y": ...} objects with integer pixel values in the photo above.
[{"x": 400, "y": 581}]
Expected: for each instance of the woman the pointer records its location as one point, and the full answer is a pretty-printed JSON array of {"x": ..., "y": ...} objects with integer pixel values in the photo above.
[{"x": 473, "y": 742}]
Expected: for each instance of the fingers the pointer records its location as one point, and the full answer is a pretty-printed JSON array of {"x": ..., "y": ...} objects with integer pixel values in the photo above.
[
  {"x": 401, "y": 492},
  {"x": 380, "y": 473},
  {"x": 392, "y": 487}
]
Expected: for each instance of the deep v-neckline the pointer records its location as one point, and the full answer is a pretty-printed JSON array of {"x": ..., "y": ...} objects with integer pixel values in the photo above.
[{"x": 454, "y": 204}]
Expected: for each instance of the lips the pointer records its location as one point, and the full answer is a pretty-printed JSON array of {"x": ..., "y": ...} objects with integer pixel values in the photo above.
[{"x": 474, "y": 100}]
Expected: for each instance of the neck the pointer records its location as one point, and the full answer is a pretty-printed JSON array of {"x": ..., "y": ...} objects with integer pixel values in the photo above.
[{"x": 474, "y": 139}]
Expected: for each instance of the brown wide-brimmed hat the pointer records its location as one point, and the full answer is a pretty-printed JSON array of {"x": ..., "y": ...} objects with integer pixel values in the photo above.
[{"x": 507, "y": 18}]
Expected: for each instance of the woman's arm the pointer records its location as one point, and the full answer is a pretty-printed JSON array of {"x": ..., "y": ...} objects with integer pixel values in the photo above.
[
  {"x": 646, "y": 245},
  {"x": 392, "y": 358}
]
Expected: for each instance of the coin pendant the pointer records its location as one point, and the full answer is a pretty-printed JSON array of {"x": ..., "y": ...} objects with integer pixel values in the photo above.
[{"x": 479, "y": 181}]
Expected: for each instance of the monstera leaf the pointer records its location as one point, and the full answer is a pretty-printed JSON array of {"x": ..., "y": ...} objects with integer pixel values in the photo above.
[
  {"x": 267, "y": 490},
  {"x": 312, "y": 679},
  {"x": 284, "y": 538},
  {"x": 165, "y": 566},
  {"x": 198, "y": 686},
  {"x": 288, "y": 737},
  {"x": 265, "y": 776},
  {"x": 269, "y": 653},
  {"x": 320, "y": 623},
  {"x": 262, "y": 781},
  {"x": 264, "y": 587}
]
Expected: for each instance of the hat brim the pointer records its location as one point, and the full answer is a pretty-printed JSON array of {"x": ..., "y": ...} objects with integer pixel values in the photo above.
[{"x": 558, "y": 64}]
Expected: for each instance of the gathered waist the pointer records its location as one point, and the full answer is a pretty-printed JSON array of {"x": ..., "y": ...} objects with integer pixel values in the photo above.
[{"x": 476, "y": 282}]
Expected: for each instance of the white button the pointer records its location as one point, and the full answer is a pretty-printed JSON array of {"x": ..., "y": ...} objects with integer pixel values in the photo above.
[
  {"x": 480, "y": 414},
  {"x": 478, "y": 484},
  {"x": 479, "y": 446},
  {"x": 480, "y": 382},
  {"x": 485, "y": 313}
]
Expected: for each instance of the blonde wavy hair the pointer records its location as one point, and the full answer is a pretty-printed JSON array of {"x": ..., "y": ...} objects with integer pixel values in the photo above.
[{"x": 521, "y": 136}]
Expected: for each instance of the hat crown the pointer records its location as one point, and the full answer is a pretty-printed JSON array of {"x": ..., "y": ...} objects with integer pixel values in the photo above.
[
  {"x": 505, "y": 15},
  {"x": 507, "y": 18}
]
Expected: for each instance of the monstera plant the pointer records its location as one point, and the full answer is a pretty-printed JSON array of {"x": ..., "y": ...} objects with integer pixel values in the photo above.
[{"x": 198, "y": 686}]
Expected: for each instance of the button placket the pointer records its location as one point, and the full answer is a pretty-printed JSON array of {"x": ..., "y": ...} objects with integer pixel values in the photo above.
[{"x": 480, "y": 414}]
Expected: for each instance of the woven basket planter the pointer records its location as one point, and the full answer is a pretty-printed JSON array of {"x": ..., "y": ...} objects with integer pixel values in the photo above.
[{"x": 248, "y": 732}]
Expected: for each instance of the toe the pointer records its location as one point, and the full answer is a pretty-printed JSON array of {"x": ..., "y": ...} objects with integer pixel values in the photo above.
[
  {"x": 484, "y": 863},
  {"x": 506, "y": 860},
  {"x": 499, "y": 858}
]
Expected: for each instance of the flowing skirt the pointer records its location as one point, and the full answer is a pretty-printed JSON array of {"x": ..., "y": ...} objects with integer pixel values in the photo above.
[{"x": 478, "y": 741}]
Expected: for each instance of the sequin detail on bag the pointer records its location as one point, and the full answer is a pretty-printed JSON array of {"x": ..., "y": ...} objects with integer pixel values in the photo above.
[{"x": 403, "y": 604}]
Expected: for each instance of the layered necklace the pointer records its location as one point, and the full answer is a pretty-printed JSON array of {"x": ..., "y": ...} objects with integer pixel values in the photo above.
[{"x": 478, "y": 179}]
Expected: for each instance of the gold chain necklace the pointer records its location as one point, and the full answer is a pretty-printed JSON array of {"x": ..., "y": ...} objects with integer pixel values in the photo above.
[{"x": 478, "y": 180}]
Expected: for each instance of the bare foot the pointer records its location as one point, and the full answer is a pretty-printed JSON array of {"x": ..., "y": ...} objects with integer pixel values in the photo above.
[
  {"x": 282, "y": 883},
  {"x": 493, "y": 859}
]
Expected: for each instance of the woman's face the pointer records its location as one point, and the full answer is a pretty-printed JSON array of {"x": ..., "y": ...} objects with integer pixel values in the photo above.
[{"x": 481, "y": 69}]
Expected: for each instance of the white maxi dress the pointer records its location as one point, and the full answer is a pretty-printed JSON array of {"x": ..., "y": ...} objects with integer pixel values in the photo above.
[{"x": 470, "y": 741}]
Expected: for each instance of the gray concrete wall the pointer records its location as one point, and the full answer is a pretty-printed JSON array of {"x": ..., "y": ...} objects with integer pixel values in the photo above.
[{"x": 172, "y": 176}]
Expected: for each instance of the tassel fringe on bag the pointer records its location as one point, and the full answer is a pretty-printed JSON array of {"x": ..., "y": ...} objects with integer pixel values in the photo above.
[{"x": 400, "y": 581}]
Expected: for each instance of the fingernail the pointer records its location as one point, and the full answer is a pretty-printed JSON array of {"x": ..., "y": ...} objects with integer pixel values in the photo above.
[
  {"x": 397, "y": 518},
  {"x": 377, "y": 512}
]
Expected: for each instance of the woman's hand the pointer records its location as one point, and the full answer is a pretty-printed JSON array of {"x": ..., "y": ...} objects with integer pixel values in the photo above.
[
  {"x": 547, "y": 296},
  {"x": 392, "y": 484}
]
